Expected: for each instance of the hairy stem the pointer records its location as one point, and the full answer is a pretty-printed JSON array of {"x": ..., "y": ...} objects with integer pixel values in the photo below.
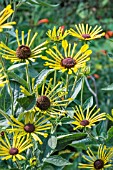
[
  {"x": 28, "y": 78},
  {"x": 55, "y": 77},
  {"x": 18, "y": 165},
  {"x": 67, "y": 84},
  {"x": 82, "y": 91},
  {"x": 94, "y": 93}
]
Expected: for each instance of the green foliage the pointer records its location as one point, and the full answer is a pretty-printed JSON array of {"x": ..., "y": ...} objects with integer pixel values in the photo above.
[
  {"x": 63, "y": 148},
  {"x": 27, "y": 102},
  {"x": 57, "y": 160}
]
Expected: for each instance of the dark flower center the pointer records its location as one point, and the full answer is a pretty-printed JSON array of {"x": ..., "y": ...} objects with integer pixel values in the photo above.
[
  {"x": 13, "y": 151},
  {"x": 43, "y": 102},
  {"x": 29, "y": 128},
  {"x": 86, "y": 36},
  {"x": 2, "y": 133},
  {"x": 68, "y": 62},
  {"x": 34, "y": 160},
  {"x": 23, "y": 52},
  {"x": 84, "y": 122},
  {"x": 57, "y": 37},
  {"x": 99, "y": 164}
]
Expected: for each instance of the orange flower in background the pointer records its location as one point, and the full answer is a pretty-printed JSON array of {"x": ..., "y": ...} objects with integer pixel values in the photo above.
[
  {"x": 45, "y": 20},
  {"x": 96, "y": 76},
  {"x": 109, "y": 34},
  {"x": 104, "y": 52},
  {"x": 62, "y": 28}
]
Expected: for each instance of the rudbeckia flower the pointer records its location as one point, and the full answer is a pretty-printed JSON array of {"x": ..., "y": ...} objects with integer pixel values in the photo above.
[
  {"x": 57, "y": 35},
  {"x": 4, "y": 15},
  {"x": 33, "y": 161},
  {"x": 69, "y": 60},
  {"x": 50, "y": 99},
  {"x": 32, "y": 126},
  {"x": 88, "y": 120},
  {"x": 13, "y": 151},
  {"x": 23, "y": 52},
  {"x": 101, "y": 161},
  {"x": 2, "y": 78},
  {"x": 85, "y": 32}
]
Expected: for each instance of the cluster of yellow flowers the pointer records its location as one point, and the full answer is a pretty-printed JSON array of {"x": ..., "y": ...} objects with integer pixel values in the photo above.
[{"x": 50, "y": 100}]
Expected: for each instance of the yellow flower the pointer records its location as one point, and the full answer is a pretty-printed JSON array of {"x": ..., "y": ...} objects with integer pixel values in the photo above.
[
  {"x": 101, "y": 161},
  {"x": 23, "y": 51},
  {"x": 50, "y": 99},
  {"x": 110, "y": 117},
  {"x": 4, "y": 15},
  {"x": 85, "y": 32},
  {"x": 89, "y": 120},
  {"x": 69, "y": 60},
  {"x": 2, "y": 78},
  {"x": 32, "y": 127},
  {"x": 57, "y": 35},
  {"x": 13, "y": 151},
  {"x": 33, "y": 161}
]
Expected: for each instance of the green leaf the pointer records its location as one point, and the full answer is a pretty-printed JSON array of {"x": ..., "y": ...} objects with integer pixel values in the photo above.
[
  {"x": 45, "y": 148},
  {"x": 109, "y": 140},
  {"x": 52, "y": 142},
  {"x": 16, "y": 66},
  {"x": 88, "y": 103},
  {"x": 5, "y": 115},
  {"x": 77, "y": 89},
  {"x": 48, "y": 167},
  {"x": 64, "y": 140},
  {"x": 42, "y": 75},
  {"x": 83, "y": 143},
  {"x": 27, "y": 102},
  {"x": 11, "y": 32},
  {"x": 18, "y": 79},
  {"x": 104, "y": 3},
  {"x": 46, "y": 4},
  {"x": 57, "y": 161},
  {"x": 110, "y": 40},
  {"x": 20, "y": 116},
  {"x": 42, "y": 3},
  {"x": 5, "y": 99},
  {"x": 108, "y": 88}
]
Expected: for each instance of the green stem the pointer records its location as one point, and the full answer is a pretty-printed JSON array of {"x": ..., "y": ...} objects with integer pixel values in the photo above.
[
  {"x": 28, "y": 78},
  {"x": 74, "y": 84},
  {"x": 67, "y": 83},
  {"x": 14, "y": 8},
  {"x": 9, "y": 87},
  {"x": 54, "y": 77},
  {"x": 11, "y": 2},
  {"x": 54, "y": 127},
  {"x": 91, "y": 136},
  {"x": 82, "y": 91},
  {"x": 5, "y": 115},
  {"x": 18, "y": 165}
]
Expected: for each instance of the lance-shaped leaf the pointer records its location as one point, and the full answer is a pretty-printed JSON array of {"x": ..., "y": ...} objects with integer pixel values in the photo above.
[
  {"x": 18, "y": 79},
  {"x": 64, "y": 140},
  {"x": 27, "y": 102},
  {"x": 57, "y": 161}
]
